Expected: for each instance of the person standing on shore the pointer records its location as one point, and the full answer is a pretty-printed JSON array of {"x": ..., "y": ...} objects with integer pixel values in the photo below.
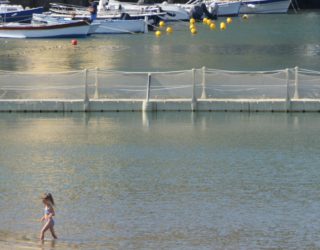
[
  {"x": 48, "y": 201},
  {"x": 93, "y": 9}
]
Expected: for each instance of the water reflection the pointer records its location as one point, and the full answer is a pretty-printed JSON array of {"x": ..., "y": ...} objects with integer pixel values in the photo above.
[
  {"x": 155, "y": 180},
  {"x": 263, "y": 42}
]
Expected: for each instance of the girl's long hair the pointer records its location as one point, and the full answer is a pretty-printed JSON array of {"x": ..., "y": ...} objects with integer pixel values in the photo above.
[{"x": 48, "y": 196}]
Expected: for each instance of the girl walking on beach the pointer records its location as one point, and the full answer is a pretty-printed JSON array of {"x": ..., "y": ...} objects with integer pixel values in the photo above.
[{"x": 48, "y": 201}]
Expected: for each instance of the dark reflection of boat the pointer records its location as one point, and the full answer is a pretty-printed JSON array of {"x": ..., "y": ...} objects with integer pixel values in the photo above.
[
  {"x": 16, "y": 13},
  {"x": 71, "y": 29}
]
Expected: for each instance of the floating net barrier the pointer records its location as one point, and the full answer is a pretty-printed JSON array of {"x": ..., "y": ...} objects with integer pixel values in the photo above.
[
  {"x": 307, "y": 84},
  {"x": 245, "y": 84},
  {"x": 108, "y": 84},
  {"x": 187, "y": 84},
  {"x": 172, "y": 85},
  {"x": 53, "y": 85}
]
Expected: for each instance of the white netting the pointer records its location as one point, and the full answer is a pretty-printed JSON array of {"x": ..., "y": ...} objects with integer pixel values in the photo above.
[
  {"x": 251, "y": 85},
  {"x": 67, "y": 85},
  {"x": 205, "y": 83},
  {"x": 117, "y": 85},
  {"x": 171, "y": 85},
  {"x": 307, "y": 84}
]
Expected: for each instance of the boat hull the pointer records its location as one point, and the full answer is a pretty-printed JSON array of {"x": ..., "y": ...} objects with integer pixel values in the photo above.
[
  {"x": 20, "y": 16},
  {"x": 79, "y": 29},
  {"x": 229, "y": 8},
  {"x": 120, "y": 27},
  {"x": 265, "y": 7}
]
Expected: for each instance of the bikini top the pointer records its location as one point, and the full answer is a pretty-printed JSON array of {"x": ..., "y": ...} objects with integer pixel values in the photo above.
[{"x": 46, "y": 210}]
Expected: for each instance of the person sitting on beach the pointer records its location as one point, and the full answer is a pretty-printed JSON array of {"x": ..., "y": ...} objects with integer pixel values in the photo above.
[
  {"x": 48, "y": 201},
  {"x": 93, "y": 9}
]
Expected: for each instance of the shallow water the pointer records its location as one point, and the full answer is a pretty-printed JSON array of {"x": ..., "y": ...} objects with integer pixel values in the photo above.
[
  {"x": 162, "y": 181},
  {"x": 261, "y": 43},
  {"x": 165, "y": 180}
]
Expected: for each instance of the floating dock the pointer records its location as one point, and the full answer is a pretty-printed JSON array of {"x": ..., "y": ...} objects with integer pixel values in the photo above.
[{"x": 210, "y": 105}]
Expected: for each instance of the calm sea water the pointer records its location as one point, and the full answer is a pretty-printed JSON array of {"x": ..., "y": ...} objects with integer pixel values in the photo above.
[
  {"x": 162, "y": 181},
  {"x": 166, "y": 180},
  {"x": 260, "y": 43}
]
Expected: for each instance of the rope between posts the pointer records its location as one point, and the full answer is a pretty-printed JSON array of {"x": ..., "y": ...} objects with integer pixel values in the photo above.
[
  {"x": 245, "y": 85},
  {"x": 308, "y": 71},
  {"x": 39, "y": 72},
  {"x": 244, "y": 72},
  {"x": 5, "y": 88},
  {"x": 106, "y": 71}
]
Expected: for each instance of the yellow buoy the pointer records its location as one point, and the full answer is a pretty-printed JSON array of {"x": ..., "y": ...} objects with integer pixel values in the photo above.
[
  {"x": 245, "y": 16},
  {"x": 162, "y": 24},
  {"x": 193, "y": 31},
  {"x": 204, "y": 20},
  {"x": 229, "y": 20},
  {"x": 223, "y": 26},
  {"x": 209, "y": 22},
  {"x": 158, "y": 33},
  {"x": 169, "y": 30},
  {"x": 213, "y": 26},
  {"x": 192, "y": 20},
  {"x": 192, "y": 26}
]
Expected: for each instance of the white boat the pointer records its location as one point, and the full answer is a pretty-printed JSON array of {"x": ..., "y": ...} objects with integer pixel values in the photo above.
[
  {"x": 16, "y": 13},
  {"x": 264, "y": 6},
  {"x": 121, "y": 26},
  {"x": 107, "y": 26},
  {"x": 225, "y": 8},
  {"x": 20, "y": 30},
  {"x": 184, "y": 11},
  {"x": 229, "y": 8},
  {"x": 172, "y": 12},
  {"x": 114, "y": 12}
]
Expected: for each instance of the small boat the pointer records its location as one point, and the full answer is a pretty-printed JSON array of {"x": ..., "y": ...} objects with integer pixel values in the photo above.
[
  {"x": 107, "y": 26},
  {"x": 264, "y": 6},
  {"x": 22, "y": 30},
  {"x": 173, "y": 12},
  {"x": 107, "y": 13},
  {"x": 229, "y": 8},
  {"x": 121, "y": 26},
  {"x": 225, "y": 8},
  {"x": 16, "y": 13}
]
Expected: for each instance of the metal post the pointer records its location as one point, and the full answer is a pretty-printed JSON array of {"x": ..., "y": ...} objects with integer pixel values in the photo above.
[
  {"x": 296, "y": 83},
  {"x": 146, "y": 23},
  {"x": 148, "y": 87},
  {"x": 146, "y": 105},
  {"x": 194, "y": 98},
  {"x": 204, "y": 94},
  {"x": 288, "y": 101},
  {"x": 86, "y": 96},
  {"x": 96, "y": 92}
]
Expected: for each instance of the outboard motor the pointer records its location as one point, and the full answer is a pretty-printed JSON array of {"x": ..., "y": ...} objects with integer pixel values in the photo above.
[
  {"x": 213, "y": 9},
  {"x": 209, "y": 14},
  {"x": 125, "y": 16},
  {"x": 197, "y": 12}
]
